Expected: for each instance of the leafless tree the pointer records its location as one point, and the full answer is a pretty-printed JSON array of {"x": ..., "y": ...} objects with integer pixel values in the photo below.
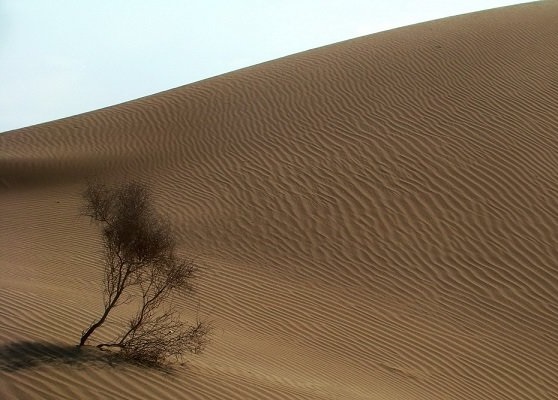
[{"x": 141, "y": 265}]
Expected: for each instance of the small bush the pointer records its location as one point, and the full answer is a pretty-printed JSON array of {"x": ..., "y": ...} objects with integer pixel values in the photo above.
[{"x": 141, "y": 265}]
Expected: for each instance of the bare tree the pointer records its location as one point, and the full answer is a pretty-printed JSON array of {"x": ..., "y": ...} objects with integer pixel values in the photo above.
[{"x": 141, "y": 265}]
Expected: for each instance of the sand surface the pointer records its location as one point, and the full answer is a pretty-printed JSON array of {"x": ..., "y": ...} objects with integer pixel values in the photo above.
[{"x": 377, "y": 219}]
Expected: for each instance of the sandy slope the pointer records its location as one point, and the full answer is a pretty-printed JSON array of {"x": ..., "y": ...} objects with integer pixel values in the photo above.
[{"x": 377, "y": 219}]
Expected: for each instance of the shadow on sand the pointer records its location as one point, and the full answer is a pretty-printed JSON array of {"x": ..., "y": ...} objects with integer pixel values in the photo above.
[{"x": 16, "y": 356}]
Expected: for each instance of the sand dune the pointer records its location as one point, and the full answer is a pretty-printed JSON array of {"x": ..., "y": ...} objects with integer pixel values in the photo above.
[{"x": 377, "y": 220}]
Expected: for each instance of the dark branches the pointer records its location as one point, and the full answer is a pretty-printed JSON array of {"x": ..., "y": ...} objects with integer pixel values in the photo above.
[{"x": 139, "y": 251}]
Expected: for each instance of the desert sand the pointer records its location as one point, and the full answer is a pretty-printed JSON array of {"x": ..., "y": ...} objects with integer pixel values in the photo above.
[{"x": 376, "y": 219}]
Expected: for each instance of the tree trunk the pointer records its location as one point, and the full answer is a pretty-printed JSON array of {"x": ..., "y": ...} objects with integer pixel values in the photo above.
[
  {"x": 92, "y": 328},
  {"x": 100, "y": 322},
  {"x": 119, "y": 290}
]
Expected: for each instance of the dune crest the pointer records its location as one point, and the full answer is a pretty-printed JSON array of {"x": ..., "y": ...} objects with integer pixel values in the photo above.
[{"x": 377, "y": 219}]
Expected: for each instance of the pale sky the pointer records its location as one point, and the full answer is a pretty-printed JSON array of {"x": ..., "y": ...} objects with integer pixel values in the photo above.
[{"x": 64, "y": 57}]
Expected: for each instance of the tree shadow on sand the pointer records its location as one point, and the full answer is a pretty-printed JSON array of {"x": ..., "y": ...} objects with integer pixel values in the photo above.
[{"x": 16, "y": 356}]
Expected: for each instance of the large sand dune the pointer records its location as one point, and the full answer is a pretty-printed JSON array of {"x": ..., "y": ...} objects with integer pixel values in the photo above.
[{"x": 378, "y": 219}]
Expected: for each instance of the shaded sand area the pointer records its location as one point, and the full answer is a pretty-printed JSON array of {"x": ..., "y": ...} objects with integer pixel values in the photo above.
[{"x": 377, "y": 219}]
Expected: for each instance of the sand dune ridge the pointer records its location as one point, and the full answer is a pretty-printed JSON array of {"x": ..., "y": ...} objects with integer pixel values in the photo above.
[{"x": 377, "y": 219}]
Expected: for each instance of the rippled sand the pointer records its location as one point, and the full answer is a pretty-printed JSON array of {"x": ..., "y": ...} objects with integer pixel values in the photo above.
[{"x": 377, "y": 219}]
